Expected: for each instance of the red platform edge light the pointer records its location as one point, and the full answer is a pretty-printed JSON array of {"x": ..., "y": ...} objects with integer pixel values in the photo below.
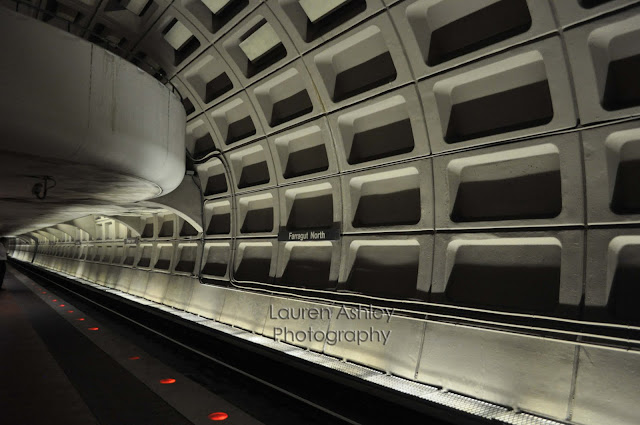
[
  {"x": 134, "y": 358},
  {"x": 167, "y": 381},
  {"x": 61, "y": 305},
  {"x": 218, "y": 416},
  {"x": 69, "y": 311},
  {"x": 81, "y": 319},
  {"x": 93, "y": 329},
  {"x": 54, "y": 301}
]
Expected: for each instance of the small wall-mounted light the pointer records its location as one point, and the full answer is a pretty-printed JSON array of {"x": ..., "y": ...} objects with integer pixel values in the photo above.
[{"x": 40, "y": 189}]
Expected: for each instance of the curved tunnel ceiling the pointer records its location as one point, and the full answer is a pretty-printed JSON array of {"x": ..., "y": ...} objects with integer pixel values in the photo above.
[{"x": 475, "y": 160}]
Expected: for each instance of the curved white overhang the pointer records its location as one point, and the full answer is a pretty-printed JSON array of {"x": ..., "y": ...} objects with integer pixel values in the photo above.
[{"x": 107, "y": 132}]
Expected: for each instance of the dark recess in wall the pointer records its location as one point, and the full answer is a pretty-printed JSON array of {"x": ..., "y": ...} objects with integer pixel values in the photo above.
[
  {"x": 291, "y": 108},
  {"x": 389, "y": 209},
  {"x": 217, "y": 87},
  {"x": 522, "y": 107},
  {"x": 489, "y": 25},
  {"x": 381, "y": 142},
  {"x": 368, "y": 75},
  {"x": 306, "y": 161},
  {"x": 516, "y": 288},
  {"x": 254, "y": 269},
  {"x": 254, "y": 174},
  {"x": 626, "y": 194},
  {"x": 311, "y": 213},
  {"x": 334, "y": 19},
  {"x": 258, "y": 221},
  {"x": 239, "y": 130},
  {"x": 216, "y": 183},
  {"x": 622, "y": 89},
  {"x": 533, "y": 196},
  {"x": 220, "y": 224}
]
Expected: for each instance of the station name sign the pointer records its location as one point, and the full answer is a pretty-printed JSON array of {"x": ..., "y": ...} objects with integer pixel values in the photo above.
[
  {"x": 309, "y": 235},
  {"x": 129, "y": 241}
]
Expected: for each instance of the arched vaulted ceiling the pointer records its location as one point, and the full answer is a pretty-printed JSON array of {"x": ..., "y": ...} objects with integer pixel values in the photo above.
[{"x": 471, "y": 158}]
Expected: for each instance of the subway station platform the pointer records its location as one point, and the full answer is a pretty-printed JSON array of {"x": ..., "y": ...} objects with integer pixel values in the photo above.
[
  {"x": 72, "y": 354},
  {"x": 60, "y": 365}
]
